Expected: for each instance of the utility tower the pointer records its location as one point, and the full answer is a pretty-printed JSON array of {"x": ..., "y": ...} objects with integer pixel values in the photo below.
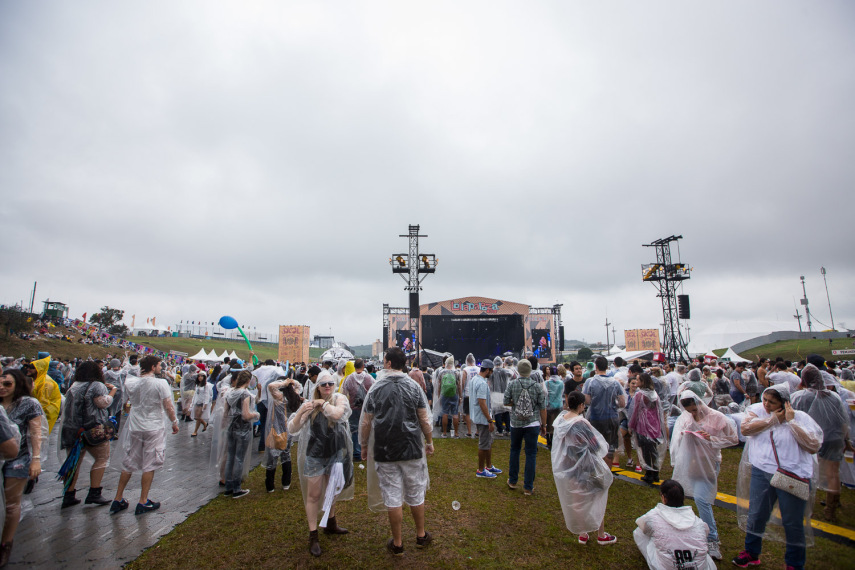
[{"x": 667, "y": 276}]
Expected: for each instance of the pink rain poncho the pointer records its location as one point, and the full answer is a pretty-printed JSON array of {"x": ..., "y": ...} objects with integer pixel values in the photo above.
[
  {"x": 797, "y": 442},
  {"x": 582, "y": 477},
  {"x": 647, "y": 433},
  {"x": 694, "y": 458}
]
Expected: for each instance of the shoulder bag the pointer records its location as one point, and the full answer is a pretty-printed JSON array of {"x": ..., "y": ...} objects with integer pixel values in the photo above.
[{"x": 789, "y": 482}]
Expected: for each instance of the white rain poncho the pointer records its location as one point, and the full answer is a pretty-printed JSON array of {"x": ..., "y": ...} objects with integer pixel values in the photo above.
[
  {"x": 758, "y": 460},
  {"x": 277, "y": 425},
  {"x": 648, "y": 435},
  {"x": 394, "y": 416},
  {"x": 828, "y": 410},
  {"x": 582, "y": 477},
  {"x": 498, "y": 382},
  {"x": 217, "y": 462},
  {"x": 694, "y": 458},
  {"x": 695, "y": 383},
  {"x": 117, "y": 379},
  {"x": 322, "y": 443},
  {"x": 232, "y": 424},
  {"x": 437, "y": 388},
  {"x": 188, "y": 387},
  {"x": 147, "y": 415},
  {"x": 673, "y": 538},
  {"x": 203, "y": 396}
]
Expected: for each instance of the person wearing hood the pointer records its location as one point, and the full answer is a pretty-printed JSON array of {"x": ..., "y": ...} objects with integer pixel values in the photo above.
[
  {"x": 468, "y": 372},
  {"x": 115, "y": 376},
  {"x": 325, "y": 457},
  {"x": 582, "y": 477},
  {"x": 355, "y": 387},
  {"x": 648, "y": 428},
  {"x": 779, "y": 438},
  {"x": 528, "y": 420},
  {"x": 239, "y": 414},
  {"x": 188, "y": 390},
  {"x": 45, "y": 389},
  {"x": 447, "y": 389},
  {"x": 700, "y": 434},
  {"x": 828, "y": 410},
  {"x": 696, "y": 383},
  {"x": 498, "y": 383},
  {"x": 670, "y": 536}
]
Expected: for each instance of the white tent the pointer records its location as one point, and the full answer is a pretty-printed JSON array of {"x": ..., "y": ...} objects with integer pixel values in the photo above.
[
  {"x": 233, "y": 355},
  {"x": 336, "y": 353},
  {"x": 724, "y": 335},
  {"x": 733, "y": 357},
  {"x": 221, "y": 357},
  {"x": 201, "y": 355},
  {"x": 630, "y": 356}
]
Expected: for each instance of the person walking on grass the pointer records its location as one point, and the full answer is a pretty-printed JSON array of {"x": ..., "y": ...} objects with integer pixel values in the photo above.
[
  {"x": 142, "y": 444},
  {"x": 527, "y": 400},
  {"x": 479, "y": 398},
  {"x": 396, "y": 436}
]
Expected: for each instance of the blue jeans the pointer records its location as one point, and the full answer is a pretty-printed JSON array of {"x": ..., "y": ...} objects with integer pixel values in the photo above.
[
  {"x": 529, "y": 435},
  {"x": 236, "y": 444},
  {"x": 762, "y": 500},
  {"x": 702, "y": 492},
  {"x": 353, "y": 421}
]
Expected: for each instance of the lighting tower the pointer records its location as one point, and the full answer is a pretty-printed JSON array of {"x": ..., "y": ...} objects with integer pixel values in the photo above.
[
  {"x": 667, "y": 276},
  {"x": 822, "y": 270},
  {"x": 804, "y": 302},
  {"x": 413, "y": 268}
]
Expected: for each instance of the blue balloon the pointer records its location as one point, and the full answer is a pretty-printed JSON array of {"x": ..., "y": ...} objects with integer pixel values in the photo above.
[{"x": 228, "y": 322}]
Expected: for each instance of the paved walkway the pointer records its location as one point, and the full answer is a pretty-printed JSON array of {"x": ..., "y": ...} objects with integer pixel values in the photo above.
[{"x": 86, "y": 536}]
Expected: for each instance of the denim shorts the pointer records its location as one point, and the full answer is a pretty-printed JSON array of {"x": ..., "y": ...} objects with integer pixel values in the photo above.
[{"x": 448, "y": 404}]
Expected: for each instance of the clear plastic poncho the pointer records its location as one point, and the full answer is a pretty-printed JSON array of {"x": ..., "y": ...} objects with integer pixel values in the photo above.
[
  {"x": 498, "y": 383},
  {"x": 648, "y": 433},
  {"x": 759, "y": 446},
  {"x": 326, "y": 442},
  {"x": 397, "y": 410},
  {"x": 203, "y": 396},
  {"x": 217, "y": 462},
  {"x": 582, "y": 477},
  {"x": 229, "y": 412},
  {"x": 276, "y": 425},
  {"x": 694, "y": 458},
  {"x": 437, "y": 390}
]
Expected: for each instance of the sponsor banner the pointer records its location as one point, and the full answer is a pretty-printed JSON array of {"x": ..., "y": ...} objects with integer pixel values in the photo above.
[
  {"x": 843, "y": 352},
  {"x": 294, "y": 343}
]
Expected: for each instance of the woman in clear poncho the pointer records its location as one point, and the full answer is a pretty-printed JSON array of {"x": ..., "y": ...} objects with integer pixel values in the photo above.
[
  {"x": 283, "y": 399},
  {"x": 646, "y": 424},
  {"x": 777, "y": 437},
  {"x": 828, "y": 410},
  {"x": 238, "y": 417},
  {"x": 582, "y": 477},
  {"x": 700, "y": 434},
  {"x": 325, "y": 456}
]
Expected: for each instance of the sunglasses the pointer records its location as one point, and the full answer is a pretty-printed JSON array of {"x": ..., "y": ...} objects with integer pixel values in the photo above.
[
  {"x": 327, "y": 384},
  {"x": 7, "y": 384}
]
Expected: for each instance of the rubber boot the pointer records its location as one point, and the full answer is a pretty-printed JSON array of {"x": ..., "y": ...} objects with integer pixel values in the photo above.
[
  {"x": 69, "y": 500},
  {"x": 286, "y": 474},
  {"x": 94, "y": 497},
  {"x": 654, "y": 476},
  {"x": 333, "y": 528},
  {"x": 314, "y": 545},
  {"x": 5, "y": 553},
  {"x": 832, "y": 501}
]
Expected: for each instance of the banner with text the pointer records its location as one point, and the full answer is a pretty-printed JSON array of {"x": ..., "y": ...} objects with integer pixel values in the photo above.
[
  {"x": 294, "y": 343},
  {"x": 642, "y": 339}
]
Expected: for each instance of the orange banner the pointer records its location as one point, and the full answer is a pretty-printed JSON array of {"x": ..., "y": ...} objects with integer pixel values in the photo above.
[
  {"x": 294, "y": 343},
  {"x": 642, "y": 339}
]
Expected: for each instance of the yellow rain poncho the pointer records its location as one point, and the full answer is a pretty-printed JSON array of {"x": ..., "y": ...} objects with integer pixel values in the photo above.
[{"x": 46, "y": 391}]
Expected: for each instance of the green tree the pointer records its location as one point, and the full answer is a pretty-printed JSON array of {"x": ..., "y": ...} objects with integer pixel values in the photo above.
[
  {"x": 119, "y": 330},
  {"x": 107, "y": 317},
  {"x": 13, "y": 319},
  {"x": 585, "y": 353}
]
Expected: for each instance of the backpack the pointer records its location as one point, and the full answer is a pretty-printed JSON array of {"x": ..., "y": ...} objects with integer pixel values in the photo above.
[
  {"x": 448, "y": 384},
  {"x": 524, "y": 408}
]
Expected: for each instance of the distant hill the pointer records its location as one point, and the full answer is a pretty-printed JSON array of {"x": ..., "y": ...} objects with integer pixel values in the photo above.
[
  {"x": 568, "y": 343},
  {"x": 361, "y": 350}
]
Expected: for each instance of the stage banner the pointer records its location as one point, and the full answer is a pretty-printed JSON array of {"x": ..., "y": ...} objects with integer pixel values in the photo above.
[
  {"x": 648, "y": 339},
  {"x": 631, "y": 340},
  {"x": 294, "y": 343}
]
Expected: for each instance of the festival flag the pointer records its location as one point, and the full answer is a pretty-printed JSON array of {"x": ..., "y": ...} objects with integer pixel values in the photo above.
[
  {"x": 84, "y": 317},
  {"x": 147, "y": 320},
  {"x": 133, "y": 320},
  {"x": 152, "y": 321}
]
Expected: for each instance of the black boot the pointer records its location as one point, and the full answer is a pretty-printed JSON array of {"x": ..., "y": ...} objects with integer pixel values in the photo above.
[
  {"x": 654, "y": 476},
  {"x": 69, "y": 500},
  {"x": 286, "y": 475},
  {"x": 333, "y": 528},
  {"x": 94, "y": 497},
  {"x": 314, "y": 545}
]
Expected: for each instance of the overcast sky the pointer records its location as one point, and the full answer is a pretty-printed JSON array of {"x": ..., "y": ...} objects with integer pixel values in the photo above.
[{"x": 186, "y": 160}]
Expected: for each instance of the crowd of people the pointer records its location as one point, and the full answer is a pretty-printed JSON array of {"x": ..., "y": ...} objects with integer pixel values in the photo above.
[{"x": 794, "y": 419}]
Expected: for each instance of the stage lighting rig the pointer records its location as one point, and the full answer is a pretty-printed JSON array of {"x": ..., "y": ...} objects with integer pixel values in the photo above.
[
  {"x": 413, "y": 268},
  {"x": 667, "y": 277}
]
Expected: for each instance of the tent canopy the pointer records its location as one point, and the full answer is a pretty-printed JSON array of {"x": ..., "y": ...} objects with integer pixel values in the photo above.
[
  {"x": 336, "y": 353},
  {"x": 630, "y": 356},
  {"x": 733, "y": 357},
  {"x": 201, "y": 355}
]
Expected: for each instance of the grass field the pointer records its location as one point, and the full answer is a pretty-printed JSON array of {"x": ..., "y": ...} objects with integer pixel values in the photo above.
[
  {"x": 796, "y": 350},
  {"x": 495, "y": 526}
]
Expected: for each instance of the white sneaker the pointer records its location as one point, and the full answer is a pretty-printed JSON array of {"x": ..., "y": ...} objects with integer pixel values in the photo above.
[
  {"x": 286, "y": 487},
  {"x": 713, "y": 549}
]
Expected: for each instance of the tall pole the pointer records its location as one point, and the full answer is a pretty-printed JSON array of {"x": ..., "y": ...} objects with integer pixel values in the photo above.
[
  {"x": 805, "y": 303},
  {"x": 826, "y": 296},
  {"x": 608, "y": 345},
  {"x": 797, "y": 316}
]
